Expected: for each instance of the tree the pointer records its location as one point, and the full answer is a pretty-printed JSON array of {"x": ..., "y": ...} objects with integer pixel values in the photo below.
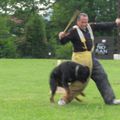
[
  {"x": 35, "y": 36},
  {"x": 98, "y": 10},
  {"x": 7, "y": 41},
  {"x": 118, "y": 30}
]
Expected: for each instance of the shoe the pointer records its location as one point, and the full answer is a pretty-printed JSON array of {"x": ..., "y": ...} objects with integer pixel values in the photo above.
[{"x": 115, "y": 101}]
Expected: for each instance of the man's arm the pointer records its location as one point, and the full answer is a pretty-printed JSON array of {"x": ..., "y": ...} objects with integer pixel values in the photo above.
[
  {"x": 105, "y": 25},
  {"x": 65, "y": 37}
]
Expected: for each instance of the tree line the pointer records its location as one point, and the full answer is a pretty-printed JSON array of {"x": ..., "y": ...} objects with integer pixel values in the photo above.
[{"x": 29, "y": 28}]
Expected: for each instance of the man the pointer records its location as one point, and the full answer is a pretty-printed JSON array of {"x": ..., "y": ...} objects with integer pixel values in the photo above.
[{"x": 82, "y": 38}]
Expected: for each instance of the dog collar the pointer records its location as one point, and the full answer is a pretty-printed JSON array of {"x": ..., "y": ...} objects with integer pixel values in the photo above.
[{"x": 76, "y": 70}]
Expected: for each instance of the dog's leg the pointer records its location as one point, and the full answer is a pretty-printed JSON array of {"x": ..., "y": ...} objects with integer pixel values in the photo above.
[
  {"x": 66, "y": 86},
  {"x": 67, "y": 97},
  {"x": 52, "y": 99},
  {"x": 67, "y": 91},
  {"x": 53, "y": 87}
]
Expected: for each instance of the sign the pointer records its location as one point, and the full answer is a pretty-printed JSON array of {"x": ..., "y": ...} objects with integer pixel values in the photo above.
[
  {"x": 101, "y": 49},
  {"x": 104, "y": 47}
]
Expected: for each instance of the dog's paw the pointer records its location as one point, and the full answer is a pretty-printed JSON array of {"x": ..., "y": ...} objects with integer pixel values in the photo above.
[
  {"x": 61, "y": 102},
  {"x": 52, "y": 100}
]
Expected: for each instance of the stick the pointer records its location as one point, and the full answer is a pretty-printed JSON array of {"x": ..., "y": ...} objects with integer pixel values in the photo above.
[{"x": 76, "y": 13}]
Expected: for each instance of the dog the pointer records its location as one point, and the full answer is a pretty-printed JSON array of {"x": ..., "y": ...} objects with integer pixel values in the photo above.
[{"x": 66, "y": 73}]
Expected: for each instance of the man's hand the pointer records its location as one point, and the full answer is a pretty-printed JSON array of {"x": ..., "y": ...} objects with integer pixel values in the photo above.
[
  {"x": 117, "y": 21},
  {"x": 63, "y": 34}
]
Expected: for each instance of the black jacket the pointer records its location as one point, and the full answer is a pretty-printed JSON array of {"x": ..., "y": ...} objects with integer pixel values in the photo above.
[{"x": 75, "y": 39}]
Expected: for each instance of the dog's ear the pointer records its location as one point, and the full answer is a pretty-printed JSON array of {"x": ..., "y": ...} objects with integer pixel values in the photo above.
[
  {"x": 87, "y": 70},
  {"x": 83, "y": 72}
]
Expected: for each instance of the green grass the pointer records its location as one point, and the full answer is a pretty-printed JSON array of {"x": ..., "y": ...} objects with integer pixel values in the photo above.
[{"x": 24, "y": 93}]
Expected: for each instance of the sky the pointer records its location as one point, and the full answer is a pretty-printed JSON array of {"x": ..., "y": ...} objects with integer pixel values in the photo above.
[{"x": 20, "y": 5}]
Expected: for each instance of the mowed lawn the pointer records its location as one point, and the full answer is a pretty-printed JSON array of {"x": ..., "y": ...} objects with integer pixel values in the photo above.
[{"x": 24, "y": 93}]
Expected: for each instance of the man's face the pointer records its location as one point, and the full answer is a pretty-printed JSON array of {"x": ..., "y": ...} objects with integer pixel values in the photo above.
[{"x": 82, "y": 22}]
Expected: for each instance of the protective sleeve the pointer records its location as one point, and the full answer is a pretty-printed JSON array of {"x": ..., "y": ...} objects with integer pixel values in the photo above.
[{"x": 103, "y": 26}]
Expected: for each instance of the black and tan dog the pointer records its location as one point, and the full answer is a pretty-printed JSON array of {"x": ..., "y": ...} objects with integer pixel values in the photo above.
[{"x": 65, "y": 74}]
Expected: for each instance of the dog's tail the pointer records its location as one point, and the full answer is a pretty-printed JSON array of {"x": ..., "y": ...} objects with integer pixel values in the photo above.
[{"x": 53, "y": 87}]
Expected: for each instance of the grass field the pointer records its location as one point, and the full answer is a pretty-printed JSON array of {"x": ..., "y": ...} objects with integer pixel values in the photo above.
[{"x": 24, "y": 93}]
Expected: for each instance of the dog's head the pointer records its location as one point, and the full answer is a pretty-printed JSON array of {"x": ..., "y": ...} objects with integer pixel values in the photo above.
[{"x": 82, "y": 72}]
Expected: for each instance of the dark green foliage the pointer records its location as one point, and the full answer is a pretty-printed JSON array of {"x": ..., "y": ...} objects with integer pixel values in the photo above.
[
  {"x": 8, "y": 48},
  {"x": 64, "y": 52},
  {"x": 7, "y": 42},
  {"x": 35, "y": 37},
  {"x": 97, "y": 10}
]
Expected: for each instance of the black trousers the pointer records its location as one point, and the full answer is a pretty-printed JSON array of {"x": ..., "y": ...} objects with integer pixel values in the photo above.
[{"x": 100, "y": 78}]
